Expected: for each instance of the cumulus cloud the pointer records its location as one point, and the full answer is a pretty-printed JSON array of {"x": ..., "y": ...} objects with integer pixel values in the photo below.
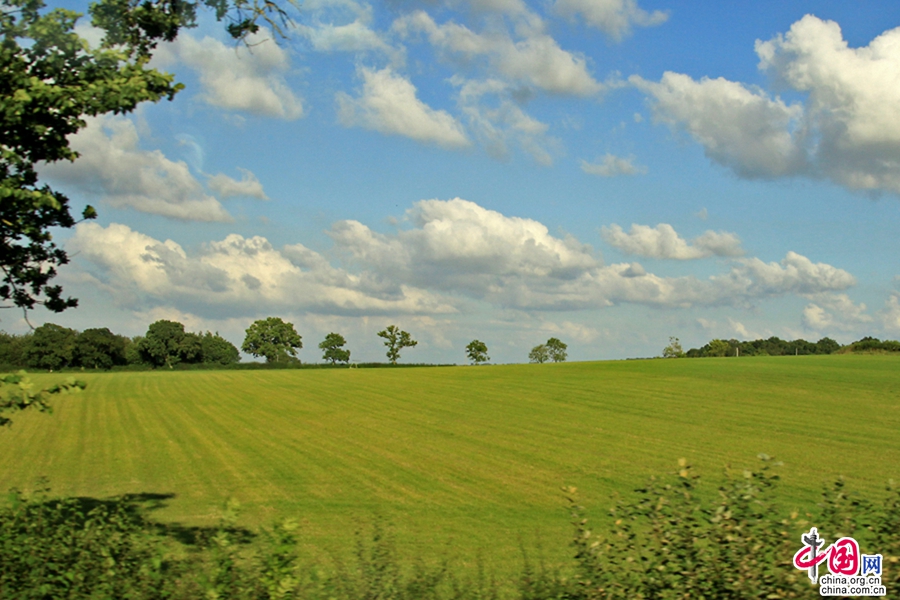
[
  {"x": 738, "y": 127},
  {"x": 388, "y": 103},
  {"x": 834, "y": 312},
  {"x": 241, "y": 79},
  {"x": 350, "y": 37},
  {"x": 500, "y": 123},
  {"x": 535, "y": 59},
  {"x": 114, "y": 167},
  {"x": 457, "y": 246},
  {"x": 795, "y": 274},
  {"x": 346, "y": 27},
  {"x": 890, "y": 315},
  {"x": 847, "y": 130},
  {"x": 854, "y": 99},
  {"x": 446, "y": 253},
  {"x": 227, "y": 187},
  {"x": 237, "y": 275},
  {"x": 611, "y": 166},
  {"x": 613, "y": 17},
  {"x": 663, "y": 241}
]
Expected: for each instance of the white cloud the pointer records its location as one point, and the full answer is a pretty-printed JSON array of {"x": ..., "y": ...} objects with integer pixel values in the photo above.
[
  {"x": 738, "y": 127},
  {"x": 611, "y": 166},
  {"x": 503, "y": 123},
  {"x": 113, "y": 166},
  {"x": 346, "y": 27},
  {"x": 567, "y": 330},
  {"x": 388, "y": 104},
  {"x": 890, "y": 315},
  {"x": 740, "y": 329},
  {"x": 613, "y": 17},
  {"x": 854, "y": 99},
  {"x": 248, "y": 186},
  {"x": 459, "y": 247},
  {"x": 663, "y": 241},
  {"x": 450, "y": 253},
  {"x": 535, "y": 59},
  {"x": 718, "y": 243},
  {"x": 350, "y": 37},
  {"x": 237, "y": 275},
  {"x": 847, "y": 130},
  {"x": 795, "y": 274},
  {"x": 239, "y": 78},
  {"x": 457, "y": 244},
  {"x": 834, "y": 312}
]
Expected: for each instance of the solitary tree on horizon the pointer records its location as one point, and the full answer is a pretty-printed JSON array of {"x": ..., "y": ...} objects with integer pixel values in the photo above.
[
  {"x": 333, "y": 347},
  {"x": 477, "y": 352},
  {"x": 395, "y": 339}
]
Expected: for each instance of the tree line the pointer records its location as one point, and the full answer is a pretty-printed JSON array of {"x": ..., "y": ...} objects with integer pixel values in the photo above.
[
  {"x": 775, "y": 346},
  {"x": 167, "y": 344}
]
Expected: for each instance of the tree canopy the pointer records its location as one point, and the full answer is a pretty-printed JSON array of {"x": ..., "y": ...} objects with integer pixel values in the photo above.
[
  {"x": 50, "y": 80},
  {"x": 396, "y": 340},
  {"x": 333, "y": 346},
  {"x": 674, "y": 349},
  {"x": 557, "y": 350},
  {"x": 51, "y": 347},
  {"x": 476, "y": 351},
  {"x": 99, "y": 348},
  {"x": 773, "y": 346},
  {"x": 539, "y": 354},
  {"x": 273, "y": 338},
  {"x": 217, "y": 350},
  {"x": 167, "y": 344}
]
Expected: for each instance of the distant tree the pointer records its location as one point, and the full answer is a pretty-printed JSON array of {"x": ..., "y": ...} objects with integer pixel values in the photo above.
[
  {"x": 800, "y": 347},
  {"x": 775, "y": 346},
  {"x": 192, "y": 348},
  {"x": 99, "y": 349},
  {"x": 167, "y": 344},
  {"x": 396, "y": 340},
  {"x": 133, "y": 351},
  {"x": 539, "y": 354},
  {"x": 477, "y": 351},
  {"x": 718, "y": 348},
  {"x": 870, "y": 343},
  {"x": 827, "y": 346},
  {"x": 273, "y": 338},
  {"x": 215, "y": 349},
  {"x": 12, "y": 349},
  {"x": 674, "y": 349},
  {"x": 50, "y": 347},
  {"x": 557, "y": 350},
  {"x": 333, "y": 346}
]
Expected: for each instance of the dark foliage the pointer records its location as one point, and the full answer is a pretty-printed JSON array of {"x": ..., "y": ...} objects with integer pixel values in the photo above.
[
  {"x": 99, "y": 349},
  {"x": 51, "y": 347},
  {"x": 773, "y": 346}
]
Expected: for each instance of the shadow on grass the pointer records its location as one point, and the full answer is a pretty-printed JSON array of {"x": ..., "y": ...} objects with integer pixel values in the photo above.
[{"x": 137, "y": 509}]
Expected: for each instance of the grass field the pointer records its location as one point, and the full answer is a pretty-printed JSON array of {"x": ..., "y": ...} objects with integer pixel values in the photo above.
[{"x": 458, "y": 459}]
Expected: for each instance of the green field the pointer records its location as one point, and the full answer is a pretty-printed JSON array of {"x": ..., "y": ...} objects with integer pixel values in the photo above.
[{"x": 458, "y": 459}]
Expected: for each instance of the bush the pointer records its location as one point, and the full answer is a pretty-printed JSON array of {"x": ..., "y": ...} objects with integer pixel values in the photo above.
[
  {"x": 674, "y": 539},
  {"x": 670, "y": 543},
  {"x": 60, "y": 549}
]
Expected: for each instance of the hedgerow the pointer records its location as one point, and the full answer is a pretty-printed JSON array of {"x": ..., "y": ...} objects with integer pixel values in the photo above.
[{"x": 674, "y": 538}]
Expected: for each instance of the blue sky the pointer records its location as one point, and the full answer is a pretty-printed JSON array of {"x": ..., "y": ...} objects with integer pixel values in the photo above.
[{"x": 609, "y": 172}]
